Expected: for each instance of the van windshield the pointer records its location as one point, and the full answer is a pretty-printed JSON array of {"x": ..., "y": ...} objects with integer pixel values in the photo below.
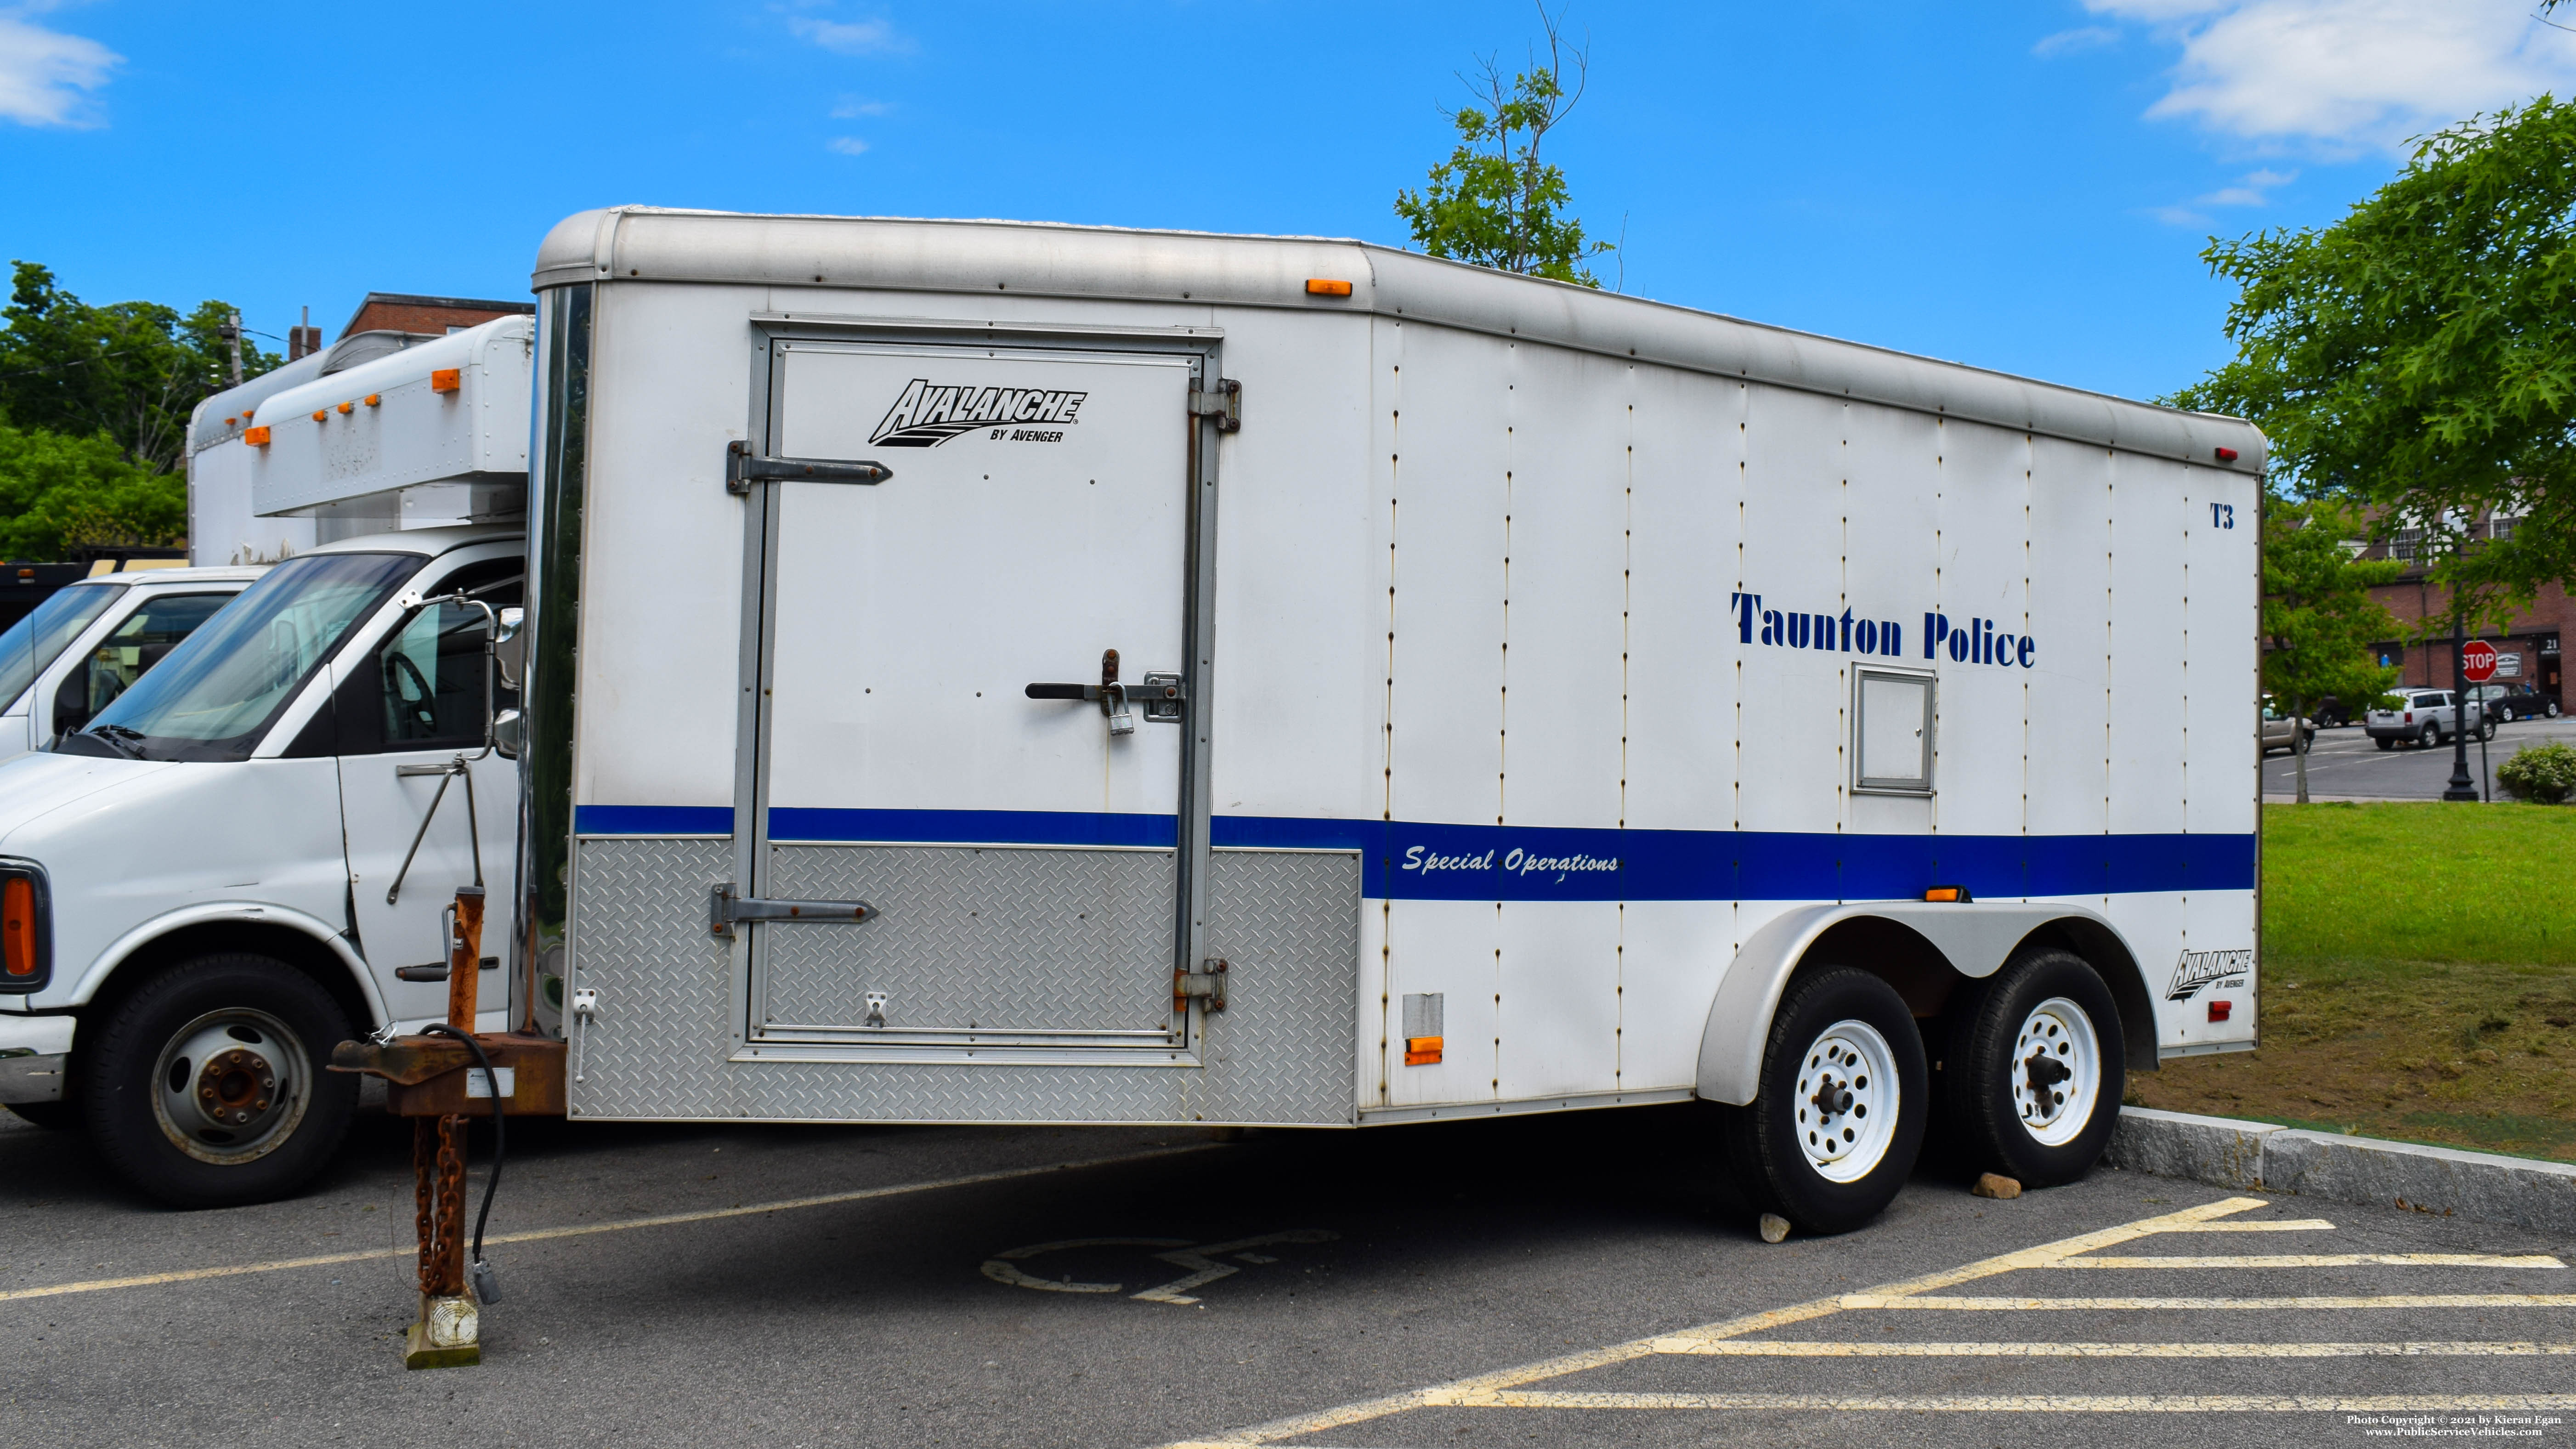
[
  {"x": 33, "y": 641},
  {"x": 218, "y": 692}
]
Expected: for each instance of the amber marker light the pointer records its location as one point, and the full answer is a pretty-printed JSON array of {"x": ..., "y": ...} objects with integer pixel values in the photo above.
[
  {"x": 446, "y": 379},
  {"x": 375, "y": 398},
  {"x": 256, "y": 437},
  {"x": 1957, "y": 895},
  {"x": 319, "y": 414},
  {"x": 1422, "y": 1051},
  {"x": 18, "y": 926},
  {"x": 1326, "y": 287}
]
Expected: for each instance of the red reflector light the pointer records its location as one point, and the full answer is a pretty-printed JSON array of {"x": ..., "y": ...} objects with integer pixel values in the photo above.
[
  {"x": 2227, "y": 455},
  {"x": 18, "y": 926},
  {"x": 2218, "y": 1010}
]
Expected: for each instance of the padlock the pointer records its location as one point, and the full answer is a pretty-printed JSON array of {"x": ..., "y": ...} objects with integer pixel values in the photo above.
[{"x": 1121, "y": 720}]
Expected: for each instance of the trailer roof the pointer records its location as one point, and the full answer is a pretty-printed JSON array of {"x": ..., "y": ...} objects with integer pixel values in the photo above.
[{"x": 1045, "y": 259}]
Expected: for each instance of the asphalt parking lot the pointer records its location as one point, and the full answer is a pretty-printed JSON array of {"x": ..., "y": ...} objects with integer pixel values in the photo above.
[
  {"x": 1537, "y": 1281},
  {"x": 2346, "y": 763}
]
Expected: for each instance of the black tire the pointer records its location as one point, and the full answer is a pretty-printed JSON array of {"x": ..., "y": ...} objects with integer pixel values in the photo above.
[
  {"x": 2486, "y": 730},
  {"x": 1763, "y": 1138},
  {"x": 254, "y": 1032},
  {"x": 52, "y": 1116},
  {"x": 2429, "y": 738},
  {"x": 1989, "y": 1055},
  {"x": 2384, "y": 742}
]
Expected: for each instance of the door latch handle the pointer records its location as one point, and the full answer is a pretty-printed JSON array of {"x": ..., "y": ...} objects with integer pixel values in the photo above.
[
  {"x": 725, "y": 910},
  {"x": 743, "y": 467},
  {"x": 1159, "y": 694}
]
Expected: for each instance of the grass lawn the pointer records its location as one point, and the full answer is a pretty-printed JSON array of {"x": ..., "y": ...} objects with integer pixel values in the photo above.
[{"x": 2418, "y": 980}]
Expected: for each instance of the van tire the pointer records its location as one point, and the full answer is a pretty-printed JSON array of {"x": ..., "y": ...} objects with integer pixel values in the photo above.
[
  {"x": 2041, "y": 998},
  {"x": 249, "y": 1035},
  {"x": 1766, "y": 1139}
]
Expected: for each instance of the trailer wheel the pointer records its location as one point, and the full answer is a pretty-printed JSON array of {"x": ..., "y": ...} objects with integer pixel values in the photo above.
[
  {"x": 2036, "y": 1068},
  {"x": 1839, "y": 1118},
  {"x": 206, "y": 1088}
]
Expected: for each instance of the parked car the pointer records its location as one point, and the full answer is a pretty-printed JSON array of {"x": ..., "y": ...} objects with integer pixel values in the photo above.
[
  {"x": 2280, "y": 732},
  {"x": 80, "y": 648},
  {"x": 2509, "y": 702},
  {"x": 2426, "y": 716}
]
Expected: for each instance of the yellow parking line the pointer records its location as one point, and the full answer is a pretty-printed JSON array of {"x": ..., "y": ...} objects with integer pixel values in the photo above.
[
  {"x": 2326, "y": 1260},
  {"x": 2325, "y": 1301},
  {"x": 2262, "y": 1225},
  {"x": 2057, "y": 1403},
  {"x": 535, "y": 1235},
  {"x": 1814, "y": 1348}
]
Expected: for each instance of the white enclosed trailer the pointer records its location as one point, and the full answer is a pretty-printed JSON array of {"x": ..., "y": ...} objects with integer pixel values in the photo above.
[{"x": 1525, "y": 699}]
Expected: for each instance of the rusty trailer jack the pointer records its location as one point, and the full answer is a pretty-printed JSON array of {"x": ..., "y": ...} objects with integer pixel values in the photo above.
[{"x": 431, "y": 1079}]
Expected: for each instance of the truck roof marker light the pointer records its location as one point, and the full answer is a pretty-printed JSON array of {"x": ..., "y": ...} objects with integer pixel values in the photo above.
[
  {"x": 18, "y": 926},
  {"x": 1956, "y": 895},
  {"x": 256, "y": 437},
  {"x": 375, "y": 399},
  {"x": 2219, "y": 1010},
  {"x": 446, "y": 379},
  {"x": 345, "y": 407},
  {"x": 2227, "y": 455},
  {"x": 1326, "y": 287},
  {"x": 321, "y": 414}
]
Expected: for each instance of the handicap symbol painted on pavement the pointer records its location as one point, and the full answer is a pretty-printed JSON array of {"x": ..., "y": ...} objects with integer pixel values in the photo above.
[{"x": 1199, "y": 1258}]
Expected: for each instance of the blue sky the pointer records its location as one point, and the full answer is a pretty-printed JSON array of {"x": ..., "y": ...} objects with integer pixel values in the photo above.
[{"x": 2024, "y": 184}]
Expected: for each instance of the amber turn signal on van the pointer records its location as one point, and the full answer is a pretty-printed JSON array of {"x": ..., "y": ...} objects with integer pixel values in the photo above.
[{"x": 22, "y": 933}]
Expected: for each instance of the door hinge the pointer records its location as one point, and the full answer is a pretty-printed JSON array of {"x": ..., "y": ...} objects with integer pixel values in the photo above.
[
  {"x": 743, "y": 467},
  {"x": 724, "y": 909},
  {"x": 1205, "y": 984},
  {"x": 1225, "y": 404}
]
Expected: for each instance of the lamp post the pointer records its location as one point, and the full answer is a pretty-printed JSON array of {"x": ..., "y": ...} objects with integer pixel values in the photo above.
[{"x": 2461, "y": 786}]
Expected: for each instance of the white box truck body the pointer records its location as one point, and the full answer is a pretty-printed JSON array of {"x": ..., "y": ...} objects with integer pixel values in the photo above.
[{"x": 1150, "y": 677}]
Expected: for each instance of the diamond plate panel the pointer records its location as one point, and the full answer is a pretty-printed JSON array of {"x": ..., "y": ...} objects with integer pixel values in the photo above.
[
  {"x": 966, "y": 937},
  {"x": 1287, "y": 923}
]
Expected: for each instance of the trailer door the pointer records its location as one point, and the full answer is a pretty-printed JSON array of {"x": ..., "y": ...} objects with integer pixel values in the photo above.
[{"x": 1025, "y": 861}]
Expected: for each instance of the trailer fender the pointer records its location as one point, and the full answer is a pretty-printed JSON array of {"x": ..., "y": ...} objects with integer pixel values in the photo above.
[
  {"x": 1971, "y": 939},
  {"x": 235, "y": 913}
]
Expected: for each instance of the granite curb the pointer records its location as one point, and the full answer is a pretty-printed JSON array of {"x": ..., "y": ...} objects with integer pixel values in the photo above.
[{"x": 2227, "y": 1152}]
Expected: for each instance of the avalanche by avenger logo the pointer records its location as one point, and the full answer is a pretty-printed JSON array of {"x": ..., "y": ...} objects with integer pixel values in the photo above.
[{"x": 929, "y": 414}]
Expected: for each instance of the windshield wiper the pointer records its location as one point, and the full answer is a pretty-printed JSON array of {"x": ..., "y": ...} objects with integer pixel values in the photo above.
[{"x": 124, "y": 741}]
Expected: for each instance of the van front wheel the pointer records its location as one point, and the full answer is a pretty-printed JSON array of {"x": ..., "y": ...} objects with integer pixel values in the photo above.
[
  {"x": 1839, "y": 1118},
  {"x": 205, "y": 1087}
]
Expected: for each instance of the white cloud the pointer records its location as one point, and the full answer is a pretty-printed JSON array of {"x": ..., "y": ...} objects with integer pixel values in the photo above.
[
  {"x": 847, "y": 145},
  {"x": 2067, "y": 42},
  {"x": 850, "y": 37},
  {"x": 2345, "y": 75},
  {"x": 2254, "y": 188},
  {"x": 850, "y": 107},
  {"x": 45, "y": 75}
]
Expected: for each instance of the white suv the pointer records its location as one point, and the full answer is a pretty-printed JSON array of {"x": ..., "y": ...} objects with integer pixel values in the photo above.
[{"x": 2426, "y": 716}]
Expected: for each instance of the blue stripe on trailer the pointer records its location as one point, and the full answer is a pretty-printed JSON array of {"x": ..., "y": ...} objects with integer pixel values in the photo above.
[{"x": 1407, "y": 860}]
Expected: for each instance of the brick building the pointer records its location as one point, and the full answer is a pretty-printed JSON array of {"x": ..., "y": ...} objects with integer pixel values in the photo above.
[{"x": 2526, "y": 653}]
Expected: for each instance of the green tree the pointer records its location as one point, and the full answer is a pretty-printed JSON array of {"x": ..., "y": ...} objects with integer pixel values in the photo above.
[
  {"x": 2319, "y": 619},
  {"x": 1494, "y": 202},
  {"x": 2418, "y": 357},
  {"x": 131, "y": 370},
  {"x": 58, "y": 493}
]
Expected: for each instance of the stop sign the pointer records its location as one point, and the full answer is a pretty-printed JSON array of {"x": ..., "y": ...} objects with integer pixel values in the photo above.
[{"x": 2478, "y": 661}]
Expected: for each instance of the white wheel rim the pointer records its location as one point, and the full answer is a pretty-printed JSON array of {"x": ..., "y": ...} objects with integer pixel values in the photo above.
[
  {"x": 2056, "y": 1072},
  {"x": 1846, "y": 1104}
]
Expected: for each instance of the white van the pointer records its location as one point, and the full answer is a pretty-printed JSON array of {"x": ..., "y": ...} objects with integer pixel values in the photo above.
[
  {"x": 1159, "y": 677},
  {"x": 89, "y": 641},
  {"x": 246, "y": 856}
]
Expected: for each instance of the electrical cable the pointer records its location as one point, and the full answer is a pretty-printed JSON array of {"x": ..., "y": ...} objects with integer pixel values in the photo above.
[{"x": 499, "y": 1135}]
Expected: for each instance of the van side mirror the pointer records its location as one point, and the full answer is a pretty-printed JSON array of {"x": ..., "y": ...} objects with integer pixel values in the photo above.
[
  {"x": 508, "y": 648},
  {"x": 71, "y": 702},
  {"x": 511, "y": 619},
  {"x": 509, "y": 733}
]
